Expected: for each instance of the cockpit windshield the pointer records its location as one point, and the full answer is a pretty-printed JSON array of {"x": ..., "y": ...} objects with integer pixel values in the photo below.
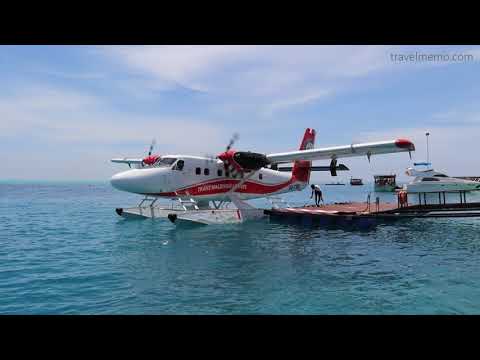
[{"x": 165, "y": 162}]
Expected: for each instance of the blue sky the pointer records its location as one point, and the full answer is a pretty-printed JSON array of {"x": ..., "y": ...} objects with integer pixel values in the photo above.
[{"x": 66, "y": 110}]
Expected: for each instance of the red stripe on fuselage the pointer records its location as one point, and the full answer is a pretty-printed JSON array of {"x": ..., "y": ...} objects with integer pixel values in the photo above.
[{"x": 223, "y": 186}]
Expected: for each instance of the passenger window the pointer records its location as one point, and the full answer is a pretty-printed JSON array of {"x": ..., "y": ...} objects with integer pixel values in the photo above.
[
  {"x": 219, "y": 172},
  {"x": 260, "y": 176},
  {"x": 198, "y": 171},
  {"x": 206, "y": 171},
  {"x": 227, "y": 174}
]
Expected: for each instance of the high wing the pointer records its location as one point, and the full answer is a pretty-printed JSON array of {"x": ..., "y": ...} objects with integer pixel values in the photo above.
[
  {"x": 336, "y": 152},
  {"x": 127, "y": 161}
]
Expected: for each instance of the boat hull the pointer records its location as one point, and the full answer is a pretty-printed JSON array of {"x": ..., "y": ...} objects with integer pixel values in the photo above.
[
  {"x": 441, "y": 187},
  {"x": 385, "y": 188}
]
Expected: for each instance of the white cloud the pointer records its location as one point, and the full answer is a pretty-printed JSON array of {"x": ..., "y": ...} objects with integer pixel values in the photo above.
[
  {"x": 75, "y": 129},
  {"x": 464, "y": 116},
  {"x": 293, "y": 102},
  {"x": 271, "y": 76},
  {"x": 73, "y": 116},
  {"x": 179, "y": 64}
]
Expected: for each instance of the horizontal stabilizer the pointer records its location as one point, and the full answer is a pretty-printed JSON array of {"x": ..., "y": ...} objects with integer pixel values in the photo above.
[{"x": 340, "y": 167}]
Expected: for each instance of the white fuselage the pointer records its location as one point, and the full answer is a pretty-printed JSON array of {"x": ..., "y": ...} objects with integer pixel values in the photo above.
[
  {"x": 202, "y": 179},
  {"x": 432, "y": 181}
]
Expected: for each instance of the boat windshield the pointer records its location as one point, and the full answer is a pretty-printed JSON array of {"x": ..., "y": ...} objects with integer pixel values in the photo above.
[
  {"x": 440, "y": 175},
  {"x": 385, "y": 180}
]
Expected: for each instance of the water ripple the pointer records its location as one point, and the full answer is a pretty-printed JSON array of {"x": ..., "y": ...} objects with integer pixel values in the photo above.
[{"x": 64, "y": 251}]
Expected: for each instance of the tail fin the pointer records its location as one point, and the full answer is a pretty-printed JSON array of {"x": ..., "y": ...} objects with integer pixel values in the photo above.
[{"x": 301, "y": 168}]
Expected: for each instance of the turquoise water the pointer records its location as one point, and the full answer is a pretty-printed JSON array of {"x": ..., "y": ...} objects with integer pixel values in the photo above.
[{"x": 63, "y": 250}]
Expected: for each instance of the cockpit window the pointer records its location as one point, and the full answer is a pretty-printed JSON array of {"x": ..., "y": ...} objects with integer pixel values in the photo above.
[
  {"x": 179, "y": 165},
  {"x": 165, "y": 162}
]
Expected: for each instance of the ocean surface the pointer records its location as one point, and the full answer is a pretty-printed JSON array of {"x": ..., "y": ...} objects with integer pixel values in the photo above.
[{"x": 64, "y": 250}]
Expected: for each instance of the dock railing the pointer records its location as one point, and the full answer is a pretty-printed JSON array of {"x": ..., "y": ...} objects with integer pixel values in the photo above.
[{"x": 442, "y": 200}]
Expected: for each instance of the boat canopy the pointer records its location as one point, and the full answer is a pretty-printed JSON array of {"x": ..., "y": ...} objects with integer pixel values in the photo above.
[{"x": 384, "y": 176}]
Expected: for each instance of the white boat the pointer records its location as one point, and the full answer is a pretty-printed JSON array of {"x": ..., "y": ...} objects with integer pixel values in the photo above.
[{"x": 428, "y": 180}]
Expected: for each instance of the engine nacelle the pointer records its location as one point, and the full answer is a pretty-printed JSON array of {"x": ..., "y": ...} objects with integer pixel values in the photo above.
[{"x": 244, "y": 160}]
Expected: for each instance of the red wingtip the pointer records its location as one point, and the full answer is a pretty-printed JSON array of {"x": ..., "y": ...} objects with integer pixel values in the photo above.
[{"x": 405, "y": 144}]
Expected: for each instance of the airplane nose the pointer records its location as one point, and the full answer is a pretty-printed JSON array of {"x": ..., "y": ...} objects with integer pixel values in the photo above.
[
  {"x": 116, "y": 181},
  {"x": 139, "y": 181},
  {"x": 120, "y": 181}
]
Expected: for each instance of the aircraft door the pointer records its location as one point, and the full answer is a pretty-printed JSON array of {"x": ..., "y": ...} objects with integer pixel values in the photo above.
[
  {"x": 178, "y": 174},
  {"x": 166, "y": 183}
]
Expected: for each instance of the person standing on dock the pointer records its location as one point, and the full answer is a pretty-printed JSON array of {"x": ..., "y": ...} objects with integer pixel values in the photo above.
[
  {"x": 318, "y": 194},
  {"x": 402, "y": 198}
]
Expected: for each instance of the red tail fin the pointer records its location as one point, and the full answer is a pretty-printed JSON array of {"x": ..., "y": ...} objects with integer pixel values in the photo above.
[{"x": 301, "y": 168}]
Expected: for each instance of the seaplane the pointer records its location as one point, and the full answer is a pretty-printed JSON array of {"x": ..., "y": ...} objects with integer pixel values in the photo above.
[{"x": 215, "y": 189}]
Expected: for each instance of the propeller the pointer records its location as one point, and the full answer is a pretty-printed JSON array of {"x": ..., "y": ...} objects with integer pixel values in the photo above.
[
  {"x": 209, "y": 159},
  {"x": 229, "y": 168},
  {"x": 233, "y": 140},
  {"x": 240, "y": 183},
  {"x": 151, "y": 147},
  {"x": 150, "y": 159},
  {"x": 233, "y": 172}
]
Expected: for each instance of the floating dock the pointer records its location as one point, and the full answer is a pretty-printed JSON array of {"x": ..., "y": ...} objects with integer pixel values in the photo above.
[{"x": 366, "y": 215}]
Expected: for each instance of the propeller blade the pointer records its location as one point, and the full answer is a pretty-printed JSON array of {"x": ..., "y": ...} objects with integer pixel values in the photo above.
[
  {"x": 240, "y": 183},
  {"x": 229, "y": 168},
  {"x": 209, "y": 159},
  {"x": 234, "y": 138},
  {"x": 151, "y": 147}
]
